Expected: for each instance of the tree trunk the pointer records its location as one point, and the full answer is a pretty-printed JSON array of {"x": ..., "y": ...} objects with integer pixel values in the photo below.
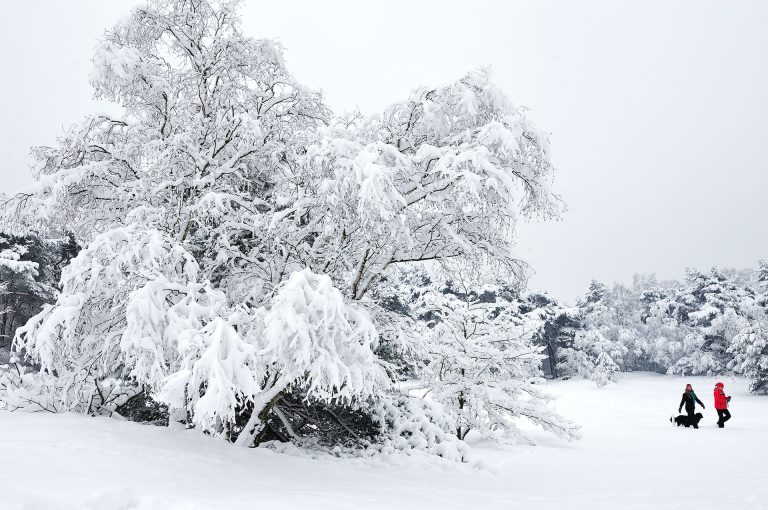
[
  {"x": 253, "y": 431},
  {"x": 460, "y": 432},
  {"x": 552, "y": 361}
]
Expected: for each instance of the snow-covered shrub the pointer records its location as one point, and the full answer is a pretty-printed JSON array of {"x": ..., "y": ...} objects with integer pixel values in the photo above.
[
  {"x": 605, "y": 370},
  {"x": 317, "y": 342},
  {"x": 410, "y": 423},
  {"x": 218, "y": 373},
  {"x": 142, "y": 408},
  {"x": 31, "y": 391}
]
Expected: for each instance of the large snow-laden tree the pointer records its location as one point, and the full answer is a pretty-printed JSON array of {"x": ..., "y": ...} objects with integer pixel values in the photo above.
[{"x": 224, "y": 177}]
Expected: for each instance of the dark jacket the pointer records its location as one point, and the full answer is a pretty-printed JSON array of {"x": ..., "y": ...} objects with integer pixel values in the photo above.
[{"x": 690, "y": 400}]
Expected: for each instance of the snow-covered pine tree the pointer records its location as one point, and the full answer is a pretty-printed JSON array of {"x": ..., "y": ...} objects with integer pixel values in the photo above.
[
  {"x": 749, "y": 347},
  {"x": 30, "y": 267},
  {"x": 713, "y": 308},
  {"x": 559, "y": 326},
  {"x": 750, "y": 354},
  {"x": 663, "y": 334},
  {"x": 762, "y": 282},
  {"x": 600, "y": 347},
  {"x": 17, "y": 277},
  {"x": 222, "y": 179}
]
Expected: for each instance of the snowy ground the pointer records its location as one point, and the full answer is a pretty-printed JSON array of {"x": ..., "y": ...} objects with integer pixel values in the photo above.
[{"x": 630, "y": 457}]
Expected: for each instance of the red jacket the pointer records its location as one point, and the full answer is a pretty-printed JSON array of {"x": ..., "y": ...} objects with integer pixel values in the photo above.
[{"x": 720, "y": 400}]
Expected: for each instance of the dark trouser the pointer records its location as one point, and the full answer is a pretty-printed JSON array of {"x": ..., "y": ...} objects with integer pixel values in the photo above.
[
  {"x": 691, "y": 416},
  {"x": 723, "y": 416}
]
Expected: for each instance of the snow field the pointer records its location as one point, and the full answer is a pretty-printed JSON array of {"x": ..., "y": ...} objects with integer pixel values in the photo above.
[{"x": 630, "y": 457}]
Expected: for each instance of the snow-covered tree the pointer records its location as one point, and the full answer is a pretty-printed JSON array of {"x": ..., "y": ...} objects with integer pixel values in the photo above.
[
  {"x": 712, "y": 306},
  {"x": 749, "y": 347},
  {"x": 664, "y": 335},
  {"x": 226, "y": 191},
  {"x": 601, "y": 345},
  {"x": 750, "y": 355},
  {"x": 483, "y": 365},
  {"x": 30, "y": 267},
  {"x": 762, "y": 282},
  {"x": 16, "y": 277},
  {"x": 559, "y": 326}
]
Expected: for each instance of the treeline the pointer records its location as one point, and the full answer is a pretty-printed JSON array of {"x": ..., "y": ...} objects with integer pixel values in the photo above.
[{"x": 707, "y": 323}]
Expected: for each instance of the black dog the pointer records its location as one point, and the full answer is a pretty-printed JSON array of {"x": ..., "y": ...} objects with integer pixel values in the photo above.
[{"x": 687, "y": 421}]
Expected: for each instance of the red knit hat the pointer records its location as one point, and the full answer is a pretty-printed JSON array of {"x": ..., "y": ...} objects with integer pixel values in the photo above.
[{"x": 719, "y": 385}]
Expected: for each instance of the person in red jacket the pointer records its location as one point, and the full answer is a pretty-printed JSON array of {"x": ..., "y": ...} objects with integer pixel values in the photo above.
[{"x": 721, "y": 405}]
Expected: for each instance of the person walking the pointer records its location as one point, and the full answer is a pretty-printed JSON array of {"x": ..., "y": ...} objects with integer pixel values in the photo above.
[
  {"x": 690, "y": 400},
  {"x": 721, "y": 405}
]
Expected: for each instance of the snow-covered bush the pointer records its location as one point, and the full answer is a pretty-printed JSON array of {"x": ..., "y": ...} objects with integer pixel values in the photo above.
[
  {"x": 410, "y": 423},
  {"x": 31, "y": 391}
]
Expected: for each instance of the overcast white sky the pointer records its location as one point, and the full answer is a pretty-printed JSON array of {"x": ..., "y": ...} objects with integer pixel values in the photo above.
[{"x": 657, "y": 109}]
